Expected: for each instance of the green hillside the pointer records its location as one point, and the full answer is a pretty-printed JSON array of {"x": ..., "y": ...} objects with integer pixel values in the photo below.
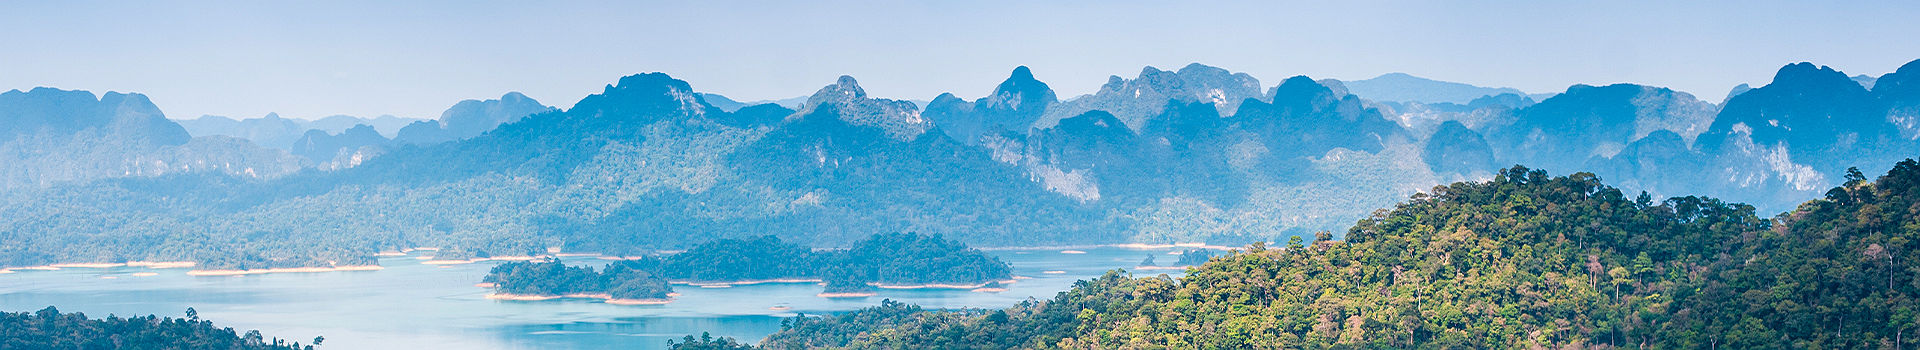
[{"x": 1525, "y": 260}]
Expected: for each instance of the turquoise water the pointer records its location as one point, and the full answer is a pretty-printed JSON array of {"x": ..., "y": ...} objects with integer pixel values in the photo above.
[{"x": 410, "y": 305}]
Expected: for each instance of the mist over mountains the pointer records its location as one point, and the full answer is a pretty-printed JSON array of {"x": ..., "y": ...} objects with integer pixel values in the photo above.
[
  {"x": 273, "y": 131},
  {"x": 1199, "y": 154}
]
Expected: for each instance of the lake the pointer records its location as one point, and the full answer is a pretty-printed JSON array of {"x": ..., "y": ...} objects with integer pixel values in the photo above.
[{"x": 410, "y": 305}]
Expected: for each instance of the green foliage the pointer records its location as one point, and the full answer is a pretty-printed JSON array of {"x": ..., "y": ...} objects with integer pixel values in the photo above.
[
  {"x": 707, "y": 342},
  {"x": 50, "y": 329},
  {"x": 910, "y": 258},
  {"x": 1524, "y": 260},
  {"x": 620, "y": 280},
  {"x": 903, "y": 258},
  {"x": 898, "y": 258},
  {"x": 726, "y": 260}
]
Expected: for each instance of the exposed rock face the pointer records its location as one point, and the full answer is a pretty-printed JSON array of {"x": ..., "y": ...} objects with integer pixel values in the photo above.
[
  {"x": 900, "y": 119},
  {"x": 1134, "y": 100}
]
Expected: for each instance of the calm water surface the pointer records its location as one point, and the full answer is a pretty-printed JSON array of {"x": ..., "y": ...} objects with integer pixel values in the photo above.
[{"x": 410, "y": 305}]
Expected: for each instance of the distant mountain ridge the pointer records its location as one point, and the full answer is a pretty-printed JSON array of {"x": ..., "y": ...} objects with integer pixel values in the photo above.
[
  {"x": 470, "y": 118},
  {"x": 273, "y": 131},
  {"x": 1201, "y": 154},
  {"x": 1403, "y": 87},
  {"x": 53, "y": 137}
]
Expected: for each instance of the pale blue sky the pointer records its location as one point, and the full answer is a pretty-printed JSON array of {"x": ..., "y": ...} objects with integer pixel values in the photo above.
[{"x": 312, "y": 59}]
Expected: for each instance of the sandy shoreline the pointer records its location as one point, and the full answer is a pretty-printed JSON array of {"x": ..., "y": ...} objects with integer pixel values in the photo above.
[
  {"x": 939, "y": 285},
  {"x": 846, "y": 295},
  {"x": 726, "y": 284},
  {"x": 145, "y": 264},
  {"x": 1152, "y": 268},
  {"x": 431, "y": 261},
  {"x": 282, "y": 270},
  {"x": 603, "y": 297}
]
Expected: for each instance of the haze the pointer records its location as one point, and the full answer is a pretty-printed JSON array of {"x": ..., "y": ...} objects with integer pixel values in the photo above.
[{"x": 370, "y": 58}]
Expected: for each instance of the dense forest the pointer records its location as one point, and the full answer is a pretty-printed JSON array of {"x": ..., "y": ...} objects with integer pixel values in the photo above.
[
  {"x": 897, "y": 258},
  {"x": 51, "y": 329},
  {"x": 618, "y": 280},
  {"x": 1523, "y": 260}
]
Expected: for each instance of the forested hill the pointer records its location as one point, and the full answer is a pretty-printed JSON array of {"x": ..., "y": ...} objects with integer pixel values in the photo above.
[
  {"x": 51, "y": 329},
  {"x": 1524, "y": 260}
]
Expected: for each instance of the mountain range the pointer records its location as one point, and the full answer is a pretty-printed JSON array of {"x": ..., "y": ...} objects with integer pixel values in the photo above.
[
  {"x": 1200, "y": 154},
  {"x": 1403, "y": 87},
  {"x": 273, "y": 131}
]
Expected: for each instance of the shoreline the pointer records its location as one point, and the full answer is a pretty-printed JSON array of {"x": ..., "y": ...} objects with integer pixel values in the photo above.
[
  {"x": 940, "y": 285},
  {"x": 231, "y": 272},
  {"x": 1160, "y": 268},
  {"x": 602, "y": 297},
  {"x": 726, "y": 284},
  {"x": 436, "y": 261},
  {"x": 845, "y": 295},
  {"x": 144, "y": 264}
]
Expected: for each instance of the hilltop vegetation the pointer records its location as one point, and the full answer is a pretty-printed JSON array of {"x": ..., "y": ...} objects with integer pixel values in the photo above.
[
  {"x": 51, "y": 329},
  {"x": 1523, "y": 260}
]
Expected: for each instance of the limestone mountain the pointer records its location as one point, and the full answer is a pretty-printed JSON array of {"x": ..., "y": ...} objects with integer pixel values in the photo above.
[
  {"x": 1134, "y": 100},
  {"x": 50, "y": 137},
  {"x": 346, "y": 148},
  {"x": 1013, "y": 107},
  {"x": 1588, "y": 121},
  {"x": 845, "y": 99},
  {"x": 1402, "y": 87},
  {"x": 470, "y": 118},
  {"x": 1453, "y": 148},
  {"x": 1801, "y": 130}
]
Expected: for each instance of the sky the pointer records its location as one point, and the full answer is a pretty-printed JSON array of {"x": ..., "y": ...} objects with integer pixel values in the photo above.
[{"x": 310, "y": 59}]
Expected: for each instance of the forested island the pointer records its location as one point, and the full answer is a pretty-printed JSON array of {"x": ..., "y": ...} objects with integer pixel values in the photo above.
[
  {"x": 1188, "y": 258},
  {"x": 1523, "y": 260},
  {"x": 51, "y": 329},
  {"x": 896, "y": 260},
  {"x": 619, "y": 283}
]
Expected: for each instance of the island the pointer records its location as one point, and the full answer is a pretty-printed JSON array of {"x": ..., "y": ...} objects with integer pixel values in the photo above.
[
  {"x": 1195, "y": 257},
  {"x": 889, "y": 261},
  {"x": 618, "y": 283}
]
